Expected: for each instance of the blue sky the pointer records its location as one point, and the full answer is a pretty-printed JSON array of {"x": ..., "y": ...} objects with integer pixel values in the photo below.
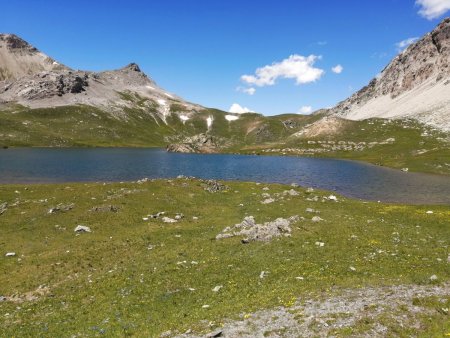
[{"x": 200, "y": 49}]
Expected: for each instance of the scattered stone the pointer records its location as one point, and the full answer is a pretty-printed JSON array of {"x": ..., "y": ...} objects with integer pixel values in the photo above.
[
  {"x": 429, "y": 212},
  {"x": 169, "y": 220},
  {"x": 61, "y": 208},
  {"x": 263, "y": 274},
  {"x": 251, "y": 231},
  {"x": 294, "y": 185},
  {"x": 352, "y": 268},
  {"x": 310, "y": 210},
  {"x": 266, "y": 189},
  {"x": 214, "y": 186},
  {"x": 310, "y": 190},
  {"x": 405, "y": 170},
  {"x": 82, "y": 228},
  {"x": 300, "y": 278},
  {"x": 433, "y": 278},
  {"x": 291, "y": 192},
  {"x": 205, "y": 306},
  {"x": 332, "y": 198},
  {"x": 215, "y": 334},
  {"x": 143, "y": 180},
  {"x": 316, "y": 219},
  {"x": 10, "y": 254},
  {"x": 145, "y": 218},
  {"x": 320, "y": 244},
  {"x": 105, "y": 208},
  {"x": 195, "y": 218},
  {"x": 268, "y": 201},
  {"x": 313, "y": 199},
  {"x": 179, "y": 216},
  {"x": 217, "y": 288},
  {"x": 3, "y": 207},
  {"x": 157, "y": 215}
]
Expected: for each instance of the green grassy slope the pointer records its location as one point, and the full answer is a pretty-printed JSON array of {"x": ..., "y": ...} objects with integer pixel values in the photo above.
[{"x": 135, "y": 277}]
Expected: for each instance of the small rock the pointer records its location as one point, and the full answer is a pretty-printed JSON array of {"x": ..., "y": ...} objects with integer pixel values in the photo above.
[
  {"x": 433, "y": 278},
  {"x": 300, "y": 278},
  {"x": 294, "y": 185},
  {"x": 352, "y": 268},
  {"x": 195, "y": 218},
  {"x": 82, "y": 228},
  {"x": 3, "y": 207},
  {"x": 266, "y": 189},
  {"x": 205, "y": 306},
  {"x": 268, "y": 201},
  {"x": 310, "y": 190},
  {"x": 10, "y": 254},
  {"x": 320, "y": 244},
  {"x": 310, "y": 210},
  {"x": 429, "y": 212},
  {"x": 215, "y": 334},
  {"x": 217, "y": 288},
  {"x": 145, "y": 218},
  {"x": 332, "y": 198},
  {"x": 263, "y": 274},
  {"x": 61, "y": 207},
  {"x": 291, "y": 192},
  {"x": 316, "y": 219},
  {"x": 405, "y": 170},
  {"x": 168, "y": 220},
  {"x": 179, "y": 216}
]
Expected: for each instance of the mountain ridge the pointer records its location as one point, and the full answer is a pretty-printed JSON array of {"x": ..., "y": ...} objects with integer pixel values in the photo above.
[{"x": 416, "y": 83}]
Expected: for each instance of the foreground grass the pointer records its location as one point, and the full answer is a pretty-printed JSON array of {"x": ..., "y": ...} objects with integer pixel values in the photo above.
[{"x": 132, "y": 277}]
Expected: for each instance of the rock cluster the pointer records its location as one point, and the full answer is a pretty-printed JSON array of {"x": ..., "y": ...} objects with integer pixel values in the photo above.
[
  {"x": 251, "y": 231},
  {"x": 201, "y": 143}
]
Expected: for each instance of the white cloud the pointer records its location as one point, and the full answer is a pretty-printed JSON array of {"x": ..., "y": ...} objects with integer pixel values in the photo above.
[
  {"x": 405, "y": 43},
  {"x": 249, "y": 91},
  {"x": 238, "y": 109},
  {"x": 305, "y": 110},
  {"x": 432, "y": 9},
  {"x": 337, "y": 69},
  {"x": 300, "y": 68}
]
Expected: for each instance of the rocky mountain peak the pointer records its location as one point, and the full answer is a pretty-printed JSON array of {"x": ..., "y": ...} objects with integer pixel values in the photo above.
[
  {"x": 133, "y": 67},
  {"x": 15, "y": 43}
]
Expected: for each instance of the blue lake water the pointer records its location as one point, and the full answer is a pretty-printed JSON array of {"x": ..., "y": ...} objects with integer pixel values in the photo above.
[{"x": 350, "y": 178}]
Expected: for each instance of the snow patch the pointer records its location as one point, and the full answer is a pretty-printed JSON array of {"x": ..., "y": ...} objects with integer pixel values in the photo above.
[
  {"x": 162, "y": 102},
  {"x": 231, "y": 117},
  {"x": 209, "y": 121},
  {"x": 184, "y": 118}
]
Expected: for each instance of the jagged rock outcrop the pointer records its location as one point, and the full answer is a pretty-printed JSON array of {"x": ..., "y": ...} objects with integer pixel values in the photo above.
[
  {"x": 416, "y": 83},
  {"x": 202, "y": 143}
]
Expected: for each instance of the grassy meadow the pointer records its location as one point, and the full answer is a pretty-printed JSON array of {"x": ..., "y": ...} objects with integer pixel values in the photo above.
[{"x": 137, "y": 276}]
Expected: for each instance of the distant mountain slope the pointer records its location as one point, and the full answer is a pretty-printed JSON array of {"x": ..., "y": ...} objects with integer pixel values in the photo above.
[
  {"x": 30, "y": 78},
  {"x": 416, "y": 83}
]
